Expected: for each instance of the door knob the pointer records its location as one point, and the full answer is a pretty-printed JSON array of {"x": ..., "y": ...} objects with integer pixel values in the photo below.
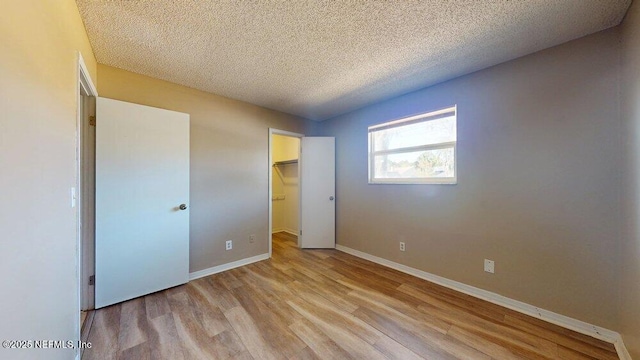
[
  {"x": 183, "y": 206},
  {"x": 331, "y": 198}
]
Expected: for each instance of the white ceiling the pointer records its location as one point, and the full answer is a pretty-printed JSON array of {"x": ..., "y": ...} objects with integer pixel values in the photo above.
[{"x": 319, "y": 59}]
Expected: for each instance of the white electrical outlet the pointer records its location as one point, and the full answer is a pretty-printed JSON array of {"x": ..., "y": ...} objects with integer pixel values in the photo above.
[
  {"x": 402, "y": 246},
  {"x": 229, "y": 245},
  {"x": 252, "y": 239},
  {"x": 489, "y": 266}
]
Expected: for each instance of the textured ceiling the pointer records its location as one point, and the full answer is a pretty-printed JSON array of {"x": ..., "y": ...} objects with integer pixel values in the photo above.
[{"x": 319, "y": 59}]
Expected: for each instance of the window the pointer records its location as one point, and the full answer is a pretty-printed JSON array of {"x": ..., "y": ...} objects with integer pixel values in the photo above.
[{"x": 419, "y": 149}]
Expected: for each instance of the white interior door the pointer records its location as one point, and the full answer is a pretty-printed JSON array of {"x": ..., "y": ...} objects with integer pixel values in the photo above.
[
  {"x": 142, "y": 178},
  {"x": 317, "y": 192}
]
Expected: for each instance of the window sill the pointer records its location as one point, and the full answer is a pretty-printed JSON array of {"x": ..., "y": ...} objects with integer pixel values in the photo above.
[{"x": 414, "y": 182}]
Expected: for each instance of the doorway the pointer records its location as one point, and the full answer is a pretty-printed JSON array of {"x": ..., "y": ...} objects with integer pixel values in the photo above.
[
  {"x": 84, "y": 197},
  {"x": 284, "y": 154},
  {"x": 285, "y": 184},
  {"x": 86, "y": 201},
  {"x": 314, "y": 187}
]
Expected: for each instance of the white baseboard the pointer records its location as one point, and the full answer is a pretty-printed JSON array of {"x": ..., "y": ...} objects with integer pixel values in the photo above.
[
  {"x": 228, "y": 266},
  {"x": 288, "y": 231},
  {"x": 521, "y": 307}
]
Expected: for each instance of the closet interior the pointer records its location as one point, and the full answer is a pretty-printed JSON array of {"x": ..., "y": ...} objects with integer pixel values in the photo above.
[{"x": 285, "y": 184}]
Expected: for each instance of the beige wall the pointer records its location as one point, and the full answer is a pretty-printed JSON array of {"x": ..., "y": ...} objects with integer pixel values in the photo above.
[
  {"x": 630, "y": 248},
  {"x": 38, "y": 79},
  {"x": 538, "y": 174},
  {"x": 285, "y": 182},
  {"x": 229, "y": 162}
]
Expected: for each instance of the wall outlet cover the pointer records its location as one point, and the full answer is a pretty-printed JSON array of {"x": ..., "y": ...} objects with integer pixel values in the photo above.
[{"x": 489, "y": 266}]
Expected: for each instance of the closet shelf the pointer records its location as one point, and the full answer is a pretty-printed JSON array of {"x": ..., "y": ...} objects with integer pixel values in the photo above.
[{"x": 285, "y": 162}]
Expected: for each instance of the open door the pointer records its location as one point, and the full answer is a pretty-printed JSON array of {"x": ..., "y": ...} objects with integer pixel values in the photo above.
[
  {"x": 142, "y": 194},
  {"x": 317, "y": 192}
]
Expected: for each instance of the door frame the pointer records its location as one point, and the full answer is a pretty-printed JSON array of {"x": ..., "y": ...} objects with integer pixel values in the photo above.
[
  {"x": 273, "y": 131},
  {"x": 84, "y": 84}
]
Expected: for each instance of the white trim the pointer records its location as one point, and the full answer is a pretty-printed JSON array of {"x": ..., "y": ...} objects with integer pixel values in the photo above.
[
  {"x": 92, "y": 90},
  {"x": 228, "y": 266},
  {"x": 415, "y": 181},
  {"x": 285, "y": 133},
  {"x": 272, "y": 132},
  {"x": 428, "y": 116},
  {"x": 622, "y": 351},
  {"x": 83, "y": 81},
  {"x": 403, "y": 150},
  {"x": 521, "y": 307},
  {"x": 291, "y": 231}
]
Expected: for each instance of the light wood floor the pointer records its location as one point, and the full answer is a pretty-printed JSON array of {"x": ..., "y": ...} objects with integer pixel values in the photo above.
[{"x": 324, "y": 304}]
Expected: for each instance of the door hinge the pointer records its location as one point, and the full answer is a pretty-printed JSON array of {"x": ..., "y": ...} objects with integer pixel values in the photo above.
[
  {"x": 92, "y": 280},
  {"x": 92, "y": 120},
  {"x": 300, "y": 232}
]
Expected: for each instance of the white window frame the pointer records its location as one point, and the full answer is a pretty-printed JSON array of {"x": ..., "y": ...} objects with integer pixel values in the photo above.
[{"x": 433, "y": 115}]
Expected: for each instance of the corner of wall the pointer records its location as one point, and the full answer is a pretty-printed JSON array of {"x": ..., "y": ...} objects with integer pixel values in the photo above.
[{"x": 629, "y": 251}]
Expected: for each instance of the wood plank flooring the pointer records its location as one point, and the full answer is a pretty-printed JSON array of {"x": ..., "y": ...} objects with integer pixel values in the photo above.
[{"x": 324, "y": 304}]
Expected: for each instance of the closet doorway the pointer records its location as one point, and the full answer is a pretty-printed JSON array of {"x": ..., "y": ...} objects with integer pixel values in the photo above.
[
  {"x": 302, "y": 174},
  {"x": 285, "y": 183}
]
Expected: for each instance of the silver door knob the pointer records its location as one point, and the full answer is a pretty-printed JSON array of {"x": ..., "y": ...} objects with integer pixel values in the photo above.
[
  {"x": 183, "y": 206},
  {"x": 331, "y": 198}
]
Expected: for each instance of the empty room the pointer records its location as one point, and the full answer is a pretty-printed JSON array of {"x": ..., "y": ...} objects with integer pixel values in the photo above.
[{"x": 194, "y": 179}]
